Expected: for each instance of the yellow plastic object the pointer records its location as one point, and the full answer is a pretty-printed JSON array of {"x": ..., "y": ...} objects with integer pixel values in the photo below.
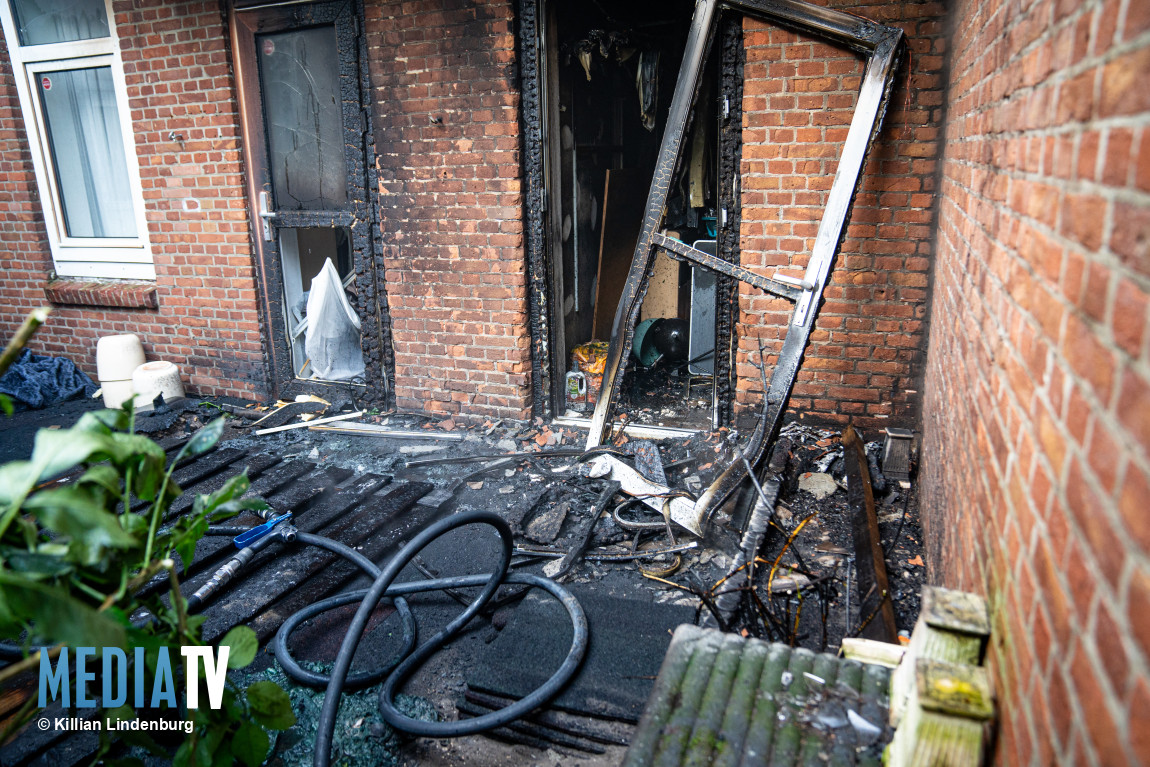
[{"x": 591, "y": 357}]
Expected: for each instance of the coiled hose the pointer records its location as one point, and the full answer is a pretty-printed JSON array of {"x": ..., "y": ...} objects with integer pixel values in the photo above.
[{"x": 406, "y": 662}]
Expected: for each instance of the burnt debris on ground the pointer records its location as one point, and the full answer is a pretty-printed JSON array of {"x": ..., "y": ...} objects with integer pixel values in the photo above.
[
  {"x": 530, "y": 473},
  {"x": 536, "y": 476}
]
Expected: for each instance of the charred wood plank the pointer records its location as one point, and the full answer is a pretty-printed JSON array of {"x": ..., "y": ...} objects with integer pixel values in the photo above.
[
  {"x": 200, "y": 469},
  {"x": 276, "y": 478},
  {"x": 572, "y": 724},
  {"x": 306, "y": 489},
  {"x": 534, "y": 729},
  {"x": 294, "y": 498},
  {"x": 876, "y": 609},
  {"x": 256, "y": 467},
  {"x": 375, "y": 530},
  {"x": 36, "y": 746},
  {"x": 282, "y": 569}
]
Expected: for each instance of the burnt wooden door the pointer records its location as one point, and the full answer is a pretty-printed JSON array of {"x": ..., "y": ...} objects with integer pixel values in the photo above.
[{"x": 302, "y": 81}]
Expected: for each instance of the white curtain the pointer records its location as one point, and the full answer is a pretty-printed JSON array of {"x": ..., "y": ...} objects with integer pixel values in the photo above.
[{"x": 88, "y": 152}]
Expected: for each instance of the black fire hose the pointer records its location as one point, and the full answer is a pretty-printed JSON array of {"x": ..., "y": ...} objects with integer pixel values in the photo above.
[
  {"x": 383, "y": 587},
  {"x": 406, "y": 662}
]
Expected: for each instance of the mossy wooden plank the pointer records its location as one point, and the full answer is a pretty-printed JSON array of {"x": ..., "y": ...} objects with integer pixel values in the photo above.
[
  {"x": 663, "y": 696},
  {"x": 871, "y": 651},
  {"x": 953, "y": 688},
  {"x": 740, "y": 706},
  {"x": 677, "y": 731},
  {"x": 701, "y": 744},
  {"x": 948, "y": 646},
  {"x": 958, "y": 611},
  {"x": 938, "y": 740},
  {"x": 946, "y": 741}
]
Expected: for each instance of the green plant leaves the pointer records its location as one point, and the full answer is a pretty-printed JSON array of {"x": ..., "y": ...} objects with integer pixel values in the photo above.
[
  {"x": 33, "y": 564},
  {"x": 77, "y": 512},
  {"x": 270, "y": 705},
  {"x": 184, "y": 536},
  {"x": 250, "y": 744},
  {"x": 56, "y": 451},
  {"x": 236, "y": 486},
  {"x": 244, "y": 645},
  {"x": 102, "y": 475},
  {"x": 202, "y": 441},
  {"x": 62, "y": 617},
  {"x": 65, "y": 549}
]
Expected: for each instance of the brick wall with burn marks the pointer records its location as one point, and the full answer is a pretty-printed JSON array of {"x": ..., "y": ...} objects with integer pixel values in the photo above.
[
  {"x": 866, "y": 358},
  {"x": 178, "y": 74},
  {"x": 447, "y": 137},
  {"x": 1036, "y": 472}
]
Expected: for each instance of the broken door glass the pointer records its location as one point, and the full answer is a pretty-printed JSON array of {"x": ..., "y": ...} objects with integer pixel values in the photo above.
[{"x": 299, "y": 73}]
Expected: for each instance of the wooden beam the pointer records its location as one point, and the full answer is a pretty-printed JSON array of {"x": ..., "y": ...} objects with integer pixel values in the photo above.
[{"x": 876, "y": 610}]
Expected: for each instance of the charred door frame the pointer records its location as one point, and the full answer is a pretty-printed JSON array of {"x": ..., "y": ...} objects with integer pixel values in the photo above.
[
  {"x": 360, "y": 216},
  {"x": 548, "y": 351},
  {"x": 880, "y": 45},
  {"x": 548, "y": 348}
]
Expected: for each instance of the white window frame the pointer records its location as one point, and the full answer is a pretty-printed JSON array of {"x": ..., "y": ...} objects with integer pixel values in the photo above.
[{"x": 92, "y": 257}]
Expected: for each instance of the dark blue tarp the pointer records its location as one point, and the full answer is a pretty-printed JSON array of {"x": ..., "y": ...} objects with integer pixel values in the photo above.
[{"x": 37, "y": 380}]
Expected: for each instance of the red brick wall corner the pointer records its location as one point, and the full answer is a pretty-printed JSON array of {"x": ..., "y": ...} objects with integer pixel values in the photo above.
[{"x": 1036, "y": 450}]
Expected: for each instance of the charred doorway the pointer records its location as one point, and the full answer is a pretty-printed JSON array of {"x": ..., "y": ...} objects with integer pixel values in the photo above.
[
  {"x": 302, "y": 81},
  {"x": 604, "y": 76}
]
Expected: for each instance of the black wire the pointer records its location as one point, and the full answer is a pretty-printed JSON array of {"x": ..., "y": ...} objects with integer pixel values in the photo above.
[{"x": 905, "y": 506}]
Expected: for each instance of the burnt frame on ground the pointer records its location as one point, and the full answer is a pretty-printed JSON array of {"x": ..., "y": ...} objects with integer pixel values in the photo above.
[{"x": 880, "y": 45}]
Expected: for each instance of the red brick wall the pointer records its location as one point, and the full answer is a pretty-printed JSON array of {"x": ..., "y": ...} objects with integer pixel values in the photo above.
[
  {"x": 447, "y": 136},
  {"x": 865, "y": 361},
  {"x": 178, "y": 73},
  {"x": 1036, "y": 457}
]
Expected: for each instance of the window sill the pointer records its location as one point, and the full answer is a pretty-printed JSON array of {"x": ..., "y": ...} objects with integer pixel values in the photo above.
[{"x": 124, "y": 295}]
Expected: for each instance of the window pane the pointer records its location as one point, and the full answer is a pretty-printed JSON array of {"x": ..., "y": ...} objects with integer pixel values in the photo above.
[
  {"x": 88, "y": 152},
  {"x": 299, "y": 71},
  {"x": 59, "y": 21}
]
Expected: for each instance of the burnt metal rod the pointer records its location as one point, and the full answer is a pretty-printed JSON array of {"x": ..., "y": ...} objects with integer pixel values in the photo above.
[
  {"x": 646, "y": 554},
  {"x": 478, "y": 458},
  {"x": 707, "y": 261}
]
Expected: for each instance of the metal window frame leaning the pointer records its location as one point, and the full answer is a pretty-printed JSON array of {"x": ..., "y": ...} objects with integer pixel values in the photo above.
[{"x": 881, "y": 45}]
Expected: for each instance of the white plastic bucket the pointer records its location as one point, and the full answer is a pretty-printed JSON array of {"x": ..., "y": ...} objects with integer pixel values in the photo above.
[
  {"x": 152, "y": 378},
  {"x": 116, "y": 359}
]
